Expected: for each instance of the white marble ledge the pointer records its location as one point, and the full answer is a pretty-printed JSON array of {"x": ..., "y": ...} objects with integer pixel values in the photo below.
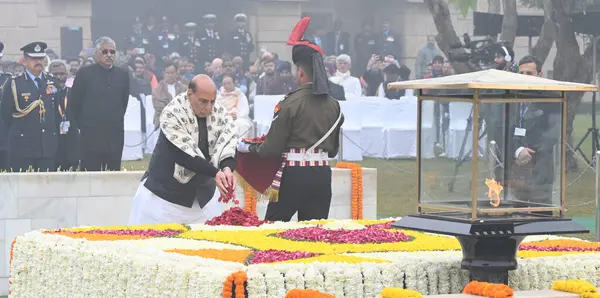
[{"x": 521, "y": 294}]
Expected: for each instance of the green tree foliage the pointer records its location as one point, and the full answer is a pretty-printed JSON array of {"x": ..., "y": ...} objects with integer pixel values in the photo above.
[{"x": 464, "y": 6}]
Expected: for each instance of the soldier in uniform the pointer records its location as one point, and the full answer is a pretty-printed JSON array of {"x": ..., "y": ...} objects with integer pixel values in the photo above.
[
  {"x": 241, "y": 42},
  {"x": 189, "y": 46},
  {"x": 29, "y": 112},
  {"x": 136, "y": 43},
  {"x": 166, "y": 42},
  {"x": 305, "y": 131},
  {"x": 3, "y": 79},
  {"x": 210, "y": 41}
]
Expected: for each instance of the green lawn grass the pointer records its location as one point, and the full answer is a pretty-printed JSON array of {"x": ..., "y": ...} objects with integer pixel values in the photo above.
[{"x": 396, "y": 188}]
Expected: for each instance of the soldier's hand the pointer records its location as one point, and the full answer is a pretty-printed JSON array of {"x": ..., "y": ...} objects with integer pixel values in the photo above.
[
  {"x": 525, "y": 156},
  {"x": 243, "y": 146}
]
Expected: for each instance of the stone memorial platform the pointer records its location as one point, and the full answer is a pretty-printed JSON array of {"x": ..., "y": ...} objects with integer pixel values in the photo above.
[{"x": 33, "y": 201}]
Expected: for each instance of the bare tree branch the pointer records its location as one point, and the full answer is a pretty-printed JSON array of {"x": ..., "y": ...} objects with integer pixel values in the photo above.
[
  {"x": 447, "y": 36},
  {"x": 543, "y": 45},
  {"x": 509, "y": 21}
]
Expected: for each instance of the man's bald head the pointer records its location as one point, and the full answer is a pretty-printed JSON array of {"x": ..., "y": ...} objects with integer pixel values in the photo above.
[
  {"x": 202, "y": 94},
  {"x": 217, "y": 66},
  {"x": 217, "y": 61}
]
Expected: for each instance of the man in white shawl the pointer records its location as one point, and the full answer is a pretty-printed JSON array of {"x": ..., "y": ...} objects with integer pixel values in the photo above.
[{"x": 195, "y": 154}]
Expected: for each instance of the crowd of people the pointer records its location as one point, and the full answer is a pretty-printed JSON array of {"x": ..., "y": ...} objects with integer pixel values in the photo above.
[{"x": 157, "y": 59}]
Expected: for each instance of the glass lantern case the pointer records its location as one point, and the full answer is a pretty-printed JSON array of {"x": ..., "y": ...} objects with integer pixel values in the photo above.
[
  {"x": 491, "y": 145},
  {"x": 491, "y": 164}
]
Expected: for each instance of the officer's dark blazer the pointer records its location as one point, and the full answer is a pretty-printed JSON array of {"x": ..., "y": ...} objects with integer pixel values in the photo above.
[
  {"x": 30, "y": 136},
  {"x": 343, "y": 46},
  {"x": 166, "y": 43},
  {"x": 241, "y": 44},
  {"x": 389, "y": 44},
  {"x": 210, "y": 48},
  {"x": 189, "y": 48}
]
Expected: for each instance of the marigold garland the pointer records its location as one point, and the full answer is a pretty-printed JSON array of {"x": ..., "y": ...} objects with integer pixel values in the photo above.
[
  {"x": 249, "y": 199},
  {"x": 581, "y": 287},
  {"x": 486, "y": 289},
  {"x": 238, "y": 279},
  {"x": 357, "y": 187},
  {"x": 399, "y": 293},
  {"x": 298, "y": 293}
]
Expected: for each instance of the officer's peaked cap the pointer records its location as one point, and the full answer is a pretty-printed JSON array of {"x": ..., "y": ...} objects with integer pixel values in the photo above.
[
  {"x": 35, "y": 49},
  {"x": 240, "y": 17}
]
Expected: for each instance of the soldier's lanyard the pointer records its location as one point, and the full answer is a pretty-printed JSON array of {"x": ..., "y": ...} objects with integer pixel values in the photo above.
[{"x": 60, "y": 110}]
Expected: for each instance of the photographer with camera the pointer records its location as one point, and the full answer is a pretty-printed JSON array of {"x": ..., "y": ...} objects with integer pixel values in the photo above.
[{"x": 505, "y": 57}]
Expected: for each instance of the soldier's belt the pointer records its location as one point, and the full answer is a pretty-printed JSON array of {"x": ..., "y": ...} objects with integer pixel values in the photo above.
[
  {"x": 321, "y": 156},
  {"x": 20, "y": 113}
]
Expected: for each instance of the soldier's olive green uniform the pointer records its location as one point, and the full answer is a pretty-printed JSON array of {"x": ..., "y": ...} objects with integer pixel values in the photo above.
[{"x": 301, "y": 119}]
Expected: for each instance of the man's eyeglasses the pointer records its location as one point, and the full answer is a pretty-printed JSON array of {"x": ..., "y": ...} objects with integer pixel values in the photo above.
[{"x": 105, "y": 52}]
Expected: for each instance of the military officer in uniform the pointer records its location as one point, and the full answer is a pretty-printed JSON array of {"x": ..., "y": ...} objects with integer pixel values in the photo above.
[
  {"x": 189, "y": 43},
  {"x": 3, "y": 79},
  {"x": 305, "y": 129},
  {"x": 241, "y": 42},
  {"x": 29, "y": 112},
  {"x": 166, "y": 42},
  {"x": 210, "y": 41},
  {"x": 137, "y": 43}
]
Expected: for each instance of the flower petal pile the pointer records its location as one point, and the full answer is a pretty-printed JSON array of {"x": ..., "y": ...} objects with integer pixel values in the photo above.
[
  {"x": 341, "y": 258},
  {"x": 362, "y": 236},
  {"x": 273, "y": 256}
]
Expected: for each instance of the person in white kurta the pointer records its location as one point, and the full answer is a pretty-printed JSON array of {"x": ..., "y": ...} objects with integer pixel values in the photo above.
[
  {"x": 342, "y": 77},
  {"x": 236, "y": 104}
]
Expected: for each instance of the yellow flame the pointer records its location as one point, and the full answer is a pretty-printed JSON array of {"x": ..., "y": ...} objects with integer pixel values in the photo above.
[{"x": 494, "y": 190}]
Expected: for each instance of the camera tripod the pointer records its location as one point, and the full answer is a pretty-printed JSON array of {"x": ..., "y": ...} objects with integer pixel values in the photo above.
[
  {"x": 591, "y": 131},
  {"x": 462, "y": 155}
]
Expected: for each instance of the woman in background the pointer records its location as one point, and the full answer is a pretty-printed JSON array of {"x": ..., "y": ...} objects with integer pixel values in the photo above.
[{"x": 236, "y": 103}]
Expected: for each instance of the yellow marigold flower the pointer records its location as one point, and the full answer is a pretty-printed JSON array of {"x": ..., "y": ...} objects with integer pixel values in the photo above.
[
  {"x": 399, "y": 293},
  {"x": 580, "y": 287}
]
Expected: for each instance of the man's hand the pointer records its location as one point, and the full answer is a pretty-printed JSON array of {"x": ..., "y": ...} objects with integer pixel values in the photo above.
[
  {"x": 243, "y": 146},
  {"x": 222, "y": 183},
  {"x": 525, "y": 156},
  {"x": 231, "y": 182}
]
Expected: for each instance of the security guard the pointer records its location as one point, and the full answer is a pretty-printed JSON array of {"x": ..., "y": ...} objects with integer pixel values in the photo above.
[
  {"x": 189, "y": 43},
  {"x": 29, "y": 112},
  {"x": 241, "y": 42},
  {"x": 305, "y": 132},
  {"x": 3, "y": 79},
  {"x": 210, "y": 40}
]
